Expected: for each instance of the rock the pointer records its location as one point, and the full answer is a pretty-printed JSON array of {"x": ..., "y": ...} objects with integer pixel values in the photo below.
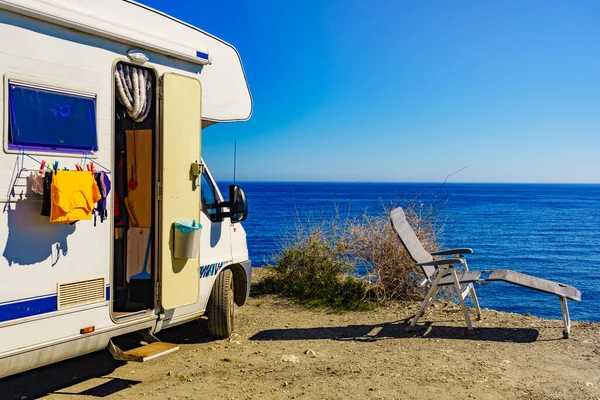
[
  {"x": 169, "y": 373},
  {"x": 311, "y": 353},
  {"x": 227, "y": 359},
  {"x": 588, "y": 384},
  {"x": 507, "y": 361},
  {"x": 285, "y": 384},
  {"x": 235, "y": 338},
  {"x": 291, "y": 359}
]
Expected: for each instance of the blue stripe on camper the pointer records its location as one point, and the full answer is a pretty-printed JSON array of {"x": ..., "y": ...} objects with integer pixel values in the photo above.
[
  {"x": 32, "y": 306},
  {"x": 200, "y": 54},
  {"x": 27, "y": 308}
]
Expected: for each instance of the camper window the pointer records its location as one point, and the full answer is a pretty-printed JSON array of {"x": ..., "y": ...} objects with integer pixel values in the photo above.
[
  {"x": 47, "y": 119},
  {"x": 209, "y": 197}
]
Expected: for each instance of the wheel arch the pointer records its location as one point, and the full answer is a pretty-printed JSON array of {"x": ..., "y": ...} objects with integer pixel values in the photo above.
[{"x": 241, "y": 283}]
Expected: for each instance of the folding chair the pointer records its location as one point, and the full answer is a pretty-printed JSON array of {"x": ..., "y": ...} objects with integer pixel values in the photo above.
[{"x": 441, "y": 272}]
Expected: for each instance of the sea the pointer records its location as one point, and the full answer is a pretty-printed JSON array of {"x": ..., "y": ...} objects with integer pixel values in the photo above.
[{"x": 551, "y": 231}]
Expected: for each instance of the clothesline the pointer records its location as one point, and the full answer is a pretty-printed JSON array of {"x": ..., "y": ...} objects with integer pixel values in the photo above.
[
  {"x": 48, "y": 166},
  {"x": 94, "y": 187}
]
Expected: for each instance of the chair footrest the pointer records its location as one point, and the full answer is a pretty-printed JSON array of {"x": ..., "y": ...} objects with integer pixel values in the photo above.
[
  {"x": 532, "y": 282},
  {"x": 516, "y": 278}
]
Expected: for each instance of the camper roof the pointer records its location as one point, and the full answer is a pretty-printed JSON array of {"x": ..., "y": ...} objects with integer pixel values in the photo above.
[{"x": 225, "y": 89}]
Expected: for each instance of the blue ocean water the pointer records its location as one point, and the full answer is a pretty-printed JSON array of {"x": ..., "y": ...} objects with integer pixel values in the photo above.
[{"x": 546, "y": 230}]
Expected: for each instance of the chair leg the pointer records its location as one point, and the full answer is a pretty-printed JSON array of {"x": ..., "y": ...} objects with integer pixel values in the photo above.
[
  {"x": 472, "y": 290},
  {"x": 428, "y": 299},
  {"x": 431, "y": 299},
  {"x": 475, "y": 301},
  {"x": 462, "y": 301},
  {"x": 424, "y": 305},
  {"x": 565, "y": 316}
]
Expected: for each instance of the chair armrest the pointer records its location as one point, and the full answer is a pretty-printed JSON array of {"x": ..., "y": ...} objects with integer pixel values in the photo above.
[
  {"x": 452, "y": 251},
  {"x": 445, "y": 261}
]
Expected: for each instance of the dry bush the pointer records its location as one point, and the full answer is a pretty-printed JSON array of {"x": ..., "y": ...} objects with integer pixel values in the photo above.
[
  {"x": 314, "y": 269},
  {"x": 350, "y": 263}
]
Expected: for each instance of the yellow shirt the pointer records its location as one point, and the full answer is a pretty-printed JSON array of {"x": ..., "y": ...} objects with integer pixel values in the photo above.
[{"x": 73, "y": 195}]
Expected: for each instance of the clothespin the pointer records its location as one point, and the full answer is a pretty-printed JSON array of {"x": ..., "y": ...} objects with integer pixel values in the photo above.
[
  {"x": 90, "y": 167},
  {"x": 55, "y": 167},
  {"x": 42, "y": 167},
  {"x": 78, "y": 167}
]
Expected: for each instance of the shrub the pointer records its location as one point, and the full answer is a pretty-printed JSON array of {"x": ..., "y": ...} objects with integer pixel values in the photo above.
[
  {"x": 313, "y": 269},
  {"x": 348, "y": 264}
]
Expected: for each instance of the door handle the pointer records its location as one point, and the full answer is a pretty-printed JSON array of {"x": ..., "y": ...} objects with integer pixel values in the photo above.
[{"x": 196, "y": 170}]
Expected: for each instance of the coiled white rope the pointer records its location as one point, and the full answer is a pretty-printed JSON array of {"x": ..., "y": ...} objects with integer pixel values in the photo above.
[{"x": 134, "y": 90}]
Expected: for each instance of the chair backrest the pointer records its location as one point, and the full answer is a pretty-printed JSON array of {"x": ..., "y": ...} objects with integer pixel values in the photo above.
[{"x": 411, "y": 242}]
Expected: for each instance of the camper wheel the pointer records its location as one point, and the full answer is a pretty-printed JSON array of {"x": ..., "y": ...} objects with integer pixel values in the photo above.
[{"x": 220, "y": 306}]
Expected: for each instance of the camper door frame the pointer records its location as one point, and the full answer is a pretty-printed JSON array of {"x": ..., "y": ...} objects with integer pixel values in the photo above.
[{"x": 154, "y": 312}]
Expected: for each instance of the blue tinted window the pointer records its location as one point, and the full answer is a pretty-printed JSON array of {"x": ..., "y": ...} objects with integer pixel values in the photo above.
[
  {"x": 208, "y": 196},
  {"x": 51, "y": 120}
]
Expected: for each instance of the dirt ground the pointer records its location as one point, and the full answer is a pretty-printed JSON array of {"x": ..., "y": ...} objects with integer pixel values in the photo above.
[{"x": 282, "y": 351}]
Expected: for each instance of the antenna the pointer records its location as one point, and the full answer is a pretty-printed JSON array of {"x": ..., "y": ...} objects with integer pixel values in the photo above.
[{"x": 234, "y": 158}]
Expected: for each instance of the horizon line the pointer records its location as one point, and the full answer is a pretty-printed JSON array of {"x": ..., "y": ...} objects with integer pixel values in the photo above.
[{"x": 415, "y": 182}]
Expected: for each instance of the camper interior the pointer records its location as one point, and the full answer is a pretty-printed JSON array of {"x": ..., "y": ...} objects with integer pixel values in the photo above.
[{"x": 135, "y": 128}]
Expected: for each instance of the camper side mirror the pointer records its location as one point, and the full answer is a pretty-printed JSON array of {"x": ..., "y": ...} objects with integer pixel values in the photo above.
[{"x": 238, "y": 207}]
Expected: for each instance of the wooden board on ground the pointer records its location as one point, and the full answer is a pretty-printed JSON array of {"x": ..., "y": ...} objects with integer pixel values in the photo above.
[
  {"x": 137, "y": 242},
  {"x": 139, "y": 168}
]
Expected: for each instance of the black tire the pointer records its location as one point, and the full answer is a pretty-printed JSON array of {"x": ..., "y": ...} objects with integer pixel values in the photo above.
[{"x": 220, "y": 308}]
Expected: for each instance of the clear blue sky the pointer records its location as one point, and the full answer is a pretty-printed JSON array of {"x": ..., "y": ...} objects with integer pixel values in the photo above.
[{"x": 386, "y": 90}]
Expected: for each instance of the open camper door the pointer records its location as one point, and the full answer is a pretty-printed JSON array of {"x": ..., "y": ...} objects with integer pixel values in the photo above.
[{"x": 180, "y": 192}]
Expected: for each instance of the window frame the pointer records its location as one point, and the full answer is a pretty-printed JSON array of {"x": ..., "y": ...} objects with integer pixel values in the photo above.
[
  {"x": 218, "y": 197},
  {"x": 52, "y": 85}
]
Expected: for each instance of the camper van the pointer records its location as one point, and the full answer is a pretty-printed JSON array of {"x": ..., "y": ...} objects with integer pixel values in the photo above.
[{"x": 111, "y": 222}]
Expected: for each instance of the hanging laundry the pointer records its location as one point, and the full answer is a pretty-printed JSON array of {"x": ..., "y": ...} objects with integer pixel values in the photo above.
[
  {"x": 37, "y": 183},
  {"x": 103, "y": 183},
  {"x": 46, "y": 200},
  {"x": 73, "y": 195}
]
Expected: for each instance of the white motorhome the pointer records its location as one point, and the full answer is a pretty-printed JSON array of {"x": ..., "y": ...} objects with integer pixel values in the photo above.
[{"x": 103, "y": 104}]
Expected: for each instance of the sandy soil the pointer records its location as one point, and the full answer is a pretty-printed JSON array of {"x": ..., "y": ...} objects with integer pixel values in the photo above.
[{"x": 282, "y": 351}]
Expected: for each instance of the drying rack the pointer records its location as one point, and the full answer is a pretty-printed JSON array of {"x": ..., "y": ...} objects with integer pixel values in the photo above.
[
  {"x": 20, "y": 165},
  {"x": 42, "y": 164}
]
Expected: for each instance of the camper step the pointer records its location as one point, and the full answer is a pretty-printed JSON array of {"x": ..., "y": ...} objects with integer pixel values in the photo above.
[{"x": 143, "y": 353}]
